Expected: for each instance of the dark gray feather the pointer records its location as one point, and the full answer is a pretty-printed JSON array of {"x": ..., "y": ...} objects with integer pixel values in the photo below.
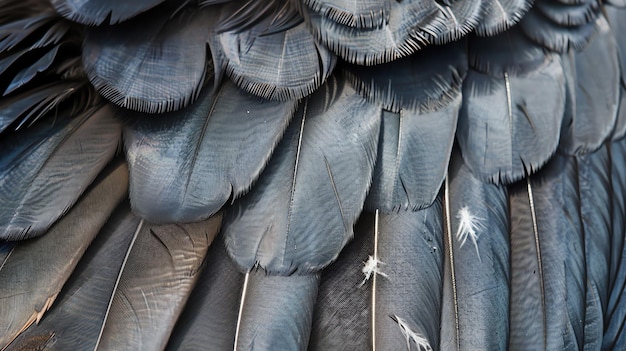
[
  {"x": 615, "y": 317},
  {"x": 276, "y": 312},
  {"x": 408, "y": 291},
  {"x": 25, "y": 75},
  {"x": 43, "y": 170},
  {"x": 547, "y": 260},
  {"x": 359, "y": 14},
  {"x": 36, "y": 270},
  {"x": 475, "y": 286},
  {"x": 75, "y": 319},
  {"x": 500, "y": 15},
  {"x": 96, "y": 12},
  {"x": 185, "y": 165},
  {"x": 155, "y": 63},
  {"x": 413, "y": 153},
  {"x": 300, "y": 213},
  {"x": 404, "y": 33},
  {"x": 555, "y": 37},
  {"x": 342, "y": 319},
  {"x": 594, "y": 181},
  {"x": 594, "y": 103},
  {"x": 158, "y": 273},
  {"x": 568, "y": 15},
  {"x": 510, "y": 124},
  {"x": 274, "y": 63},
  {"x": 209, "y": 320}
]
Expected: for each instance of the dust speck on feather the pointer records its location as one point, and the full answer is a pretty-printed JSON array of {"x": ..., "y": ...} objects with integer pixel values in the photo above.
[
  {"x": 469, "y": 225},
  {"x": 411, "y": 336},
  {"x": 372, "y": 267}
]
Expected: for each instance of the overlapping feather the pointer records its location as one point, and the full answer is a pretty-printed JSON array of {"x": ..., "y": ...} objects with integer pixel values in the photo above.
[
  {"x": 301, "y": 211},
  {"x": 185, "y": 165}
]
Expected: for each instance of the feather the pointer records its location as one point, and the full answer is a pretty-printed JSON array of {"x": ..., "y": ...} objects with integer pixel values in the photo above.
[
  {"x": 300, "y": 214},
  {"x": 405, "y": 84},
  {"x": 151, "y": 64},
  {"x": 413, "y": 154},
  {"x": 615, "y": 317},
  {"x": 407, "y": 299},
  {"x": 185, "y": 165},
  {"x": 415, "y": 141},
  {"x": 475, "y": 286},
  {"x": 27, "y": 74},
  {"x": 45, "y": 169},
  {"x": 358, "y": 14},
  {"x": 96, "y": 12},
  {"x": 342, "y": 311},
  {"x": 404, "y": 33},
  {"x": 74, "y": 321},
  {"x": 615, "y": 17},
  {"x": 555, "y": 37},
  {"x": 568, "y": 15},
  {"x": 500, "y": 15},
  {"x": 28, "y": 107},
  {"x": 510, "y": 124},
  {"x": 158, "y": 272},
  {"x": 547, "y": 260},
  {"x": 276, "y": 312},
  {"x": 36, "y": 270},
  {"x": 510, "y": 51},
  {"x": 459, "y": 18},
  {"x": 274, "y": 63},
  {"x": 594, "y": 182},
  {"x": 597, "y": 93},
  {"x": 209, "y": 319}
]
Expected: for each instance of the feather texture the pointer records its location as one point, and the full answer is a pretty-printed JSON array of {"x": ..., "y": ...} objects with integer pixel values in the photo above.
[
  {"x": 274, "y": 63},
  {"x": 595, "y": 80},
  {"x": 547, "y": 260},
  {"x": 45, "y": 169},
  {"x": 185, "y": 165},
  {"x": 209, "y": 320},
  {"x": 359, "y": 14},
  {"x": 408, "y": 296},
  {"x": 499, "y": 15},
  {"x": 325, "y": 159},
  {"x": 276, "y": 312},
  {"x": 510, "y": 124},
  {"x": 75, "y": 319},
  {"x": 594, "y": 182},
  {"x": 155, "y": 63},
  {"x": 96, "y": 12},
  {"x": 475, "y": 289},
  {"x": 159, "y": 271},
  {"x": 342, "y": 318},
  {"x": 36, "y": 270}
]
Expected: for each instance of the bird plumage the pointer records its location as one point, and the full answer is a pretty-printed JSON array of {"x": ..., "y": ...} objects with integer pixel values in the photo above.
[{"x": 315, "y": 174}]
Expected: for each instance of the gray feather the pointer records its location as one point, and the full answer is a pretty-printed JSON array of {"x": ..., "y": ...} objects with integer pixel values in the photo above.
[
  {"x": 555, "y": 37},
  {"x": 615, "y": 318},
  {"x": 156, "y": 63},
  {"x": 209, "y": 320},
  {"x": 568, "y": 15},
  {"x": 404, "y": 33},
  {"x": 75, "y": 319},
  {"x": 25, "y": 75},
  {"x": 300, "y": 213},
  {"x": 595, "y": 102},
  {"x": 158, "y": 273},
  {"x": 500, "y": 15},
  {"x": 547, "y": 260},
  {"x": 475, "y": 287},
  {"x": 185, "y": 165},
  {"x": 96, "y": 12},
  {"x": 280, "y": 65},
  {"x": 409, "y": 287},
  {"x": 276, "y": 312},
  {"x": 359, "y": 14},
  {"x": 594, "y": 181},
  {"x": 413, "y": 153},
  {"x": 43, "y": 170},
  {"x": 342, "y": 320},
  {"x": 36, "y": 270},
  {"x": 510, "y": 124}
]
